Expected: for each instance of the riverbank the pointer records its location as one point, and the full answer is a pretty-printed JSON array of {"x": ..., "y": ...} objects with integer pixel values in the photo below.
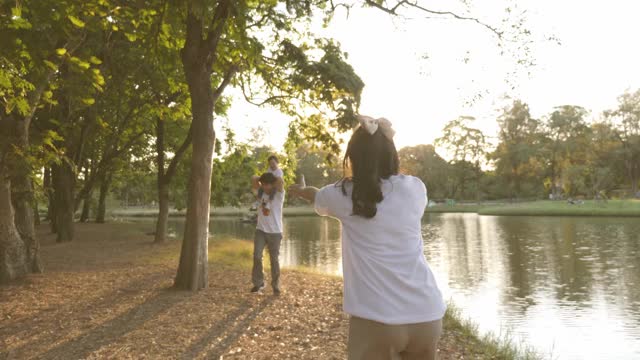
[
  {"x": 108, "y": 295},
  {"x": 222, "y": 211},
  {"x": 625, "y": 208}
]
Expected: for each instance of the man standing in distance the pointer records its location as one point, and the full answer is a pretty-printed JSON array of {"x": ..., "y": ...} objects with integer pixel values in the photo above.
[{"x": 268, "y": 230}]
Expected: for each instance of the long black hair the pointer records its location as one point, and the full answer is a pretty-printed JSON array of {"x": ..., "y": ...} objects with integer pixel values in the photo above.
[{"x": 371, "y": 159}]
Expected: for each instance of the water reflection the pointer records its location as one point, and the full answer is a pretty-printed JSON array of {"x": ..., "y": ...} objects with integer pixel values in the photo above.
[{"x": 568, "y": 286}]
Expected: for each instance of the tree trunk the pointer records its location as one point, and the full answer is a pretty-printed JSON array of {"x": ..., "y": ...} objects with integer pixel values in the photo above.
[
  {"x": 52, "y": 214},
  {"x": 102, "y": 200},
  {"x": 164, "y": 177},
  {"x": 163, "y": 214},
  {"x": 36, "y": 212},
  {"x": 86, "y": 199},
  {"x": 193, "y": 269},
  {"x": 22, "y": 198},
  {"x": 86, "y": 206},
  {"x": 86, "y": 209},
  {"x": 46, "y": 187},
  {"x": 15, "y": 258},
  {"x": 198, "y": 56},
  {"x": 163, "y": 188},
  {"x": 48, "y": 190},
  {"x": 25, "y": 222},
  {"x": 13, "y": 262},
  {"x": 64, "y": 183}
]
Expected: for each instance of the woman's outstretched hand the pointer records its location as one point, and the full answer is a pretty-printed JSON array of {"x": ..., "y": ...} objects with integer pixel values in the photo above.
[
  {"x": 295, "y": 190},
  {"x": 305, "y": 192}
]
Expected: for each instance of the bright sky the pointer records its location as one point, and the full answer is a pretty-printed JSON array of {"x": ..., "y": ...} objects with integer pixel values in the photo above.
[{"x": 415, "y": 75}]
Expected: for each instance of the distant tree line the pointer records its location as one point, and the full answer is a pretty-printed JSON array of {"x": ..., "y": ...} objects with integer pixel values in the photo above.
[{"x": 562, "y": 155}]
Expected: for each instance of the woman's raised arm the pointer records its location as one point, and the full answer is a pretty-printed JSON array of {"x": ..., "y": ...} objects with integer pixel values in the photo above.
[{"x": 305, "y": 192}]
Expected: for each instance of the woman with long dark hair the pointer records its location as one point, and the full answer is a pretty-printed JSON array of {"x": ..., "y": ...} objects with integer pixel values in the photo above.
[{"x": 395, "y": 305}]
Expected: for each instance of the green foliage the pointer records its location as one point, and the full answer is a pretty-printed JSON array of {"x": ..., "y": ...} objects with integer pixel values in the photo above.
[
  {"x": 134, "y": 184},
  {"x": 626, "y": 120},
  {"x": 565, "y": 156},
  {"x": 515, "y": 156},
  {"x": 467, "y": 147},
  {"x": 566, "y": 136},
  {"x": 317, "y": 166},
  {"x": 304, "y": 76},
  {"x": 231, "y": 182},
  {"x": 57, "y": 77},
  {"x": 423, "y": 161}
]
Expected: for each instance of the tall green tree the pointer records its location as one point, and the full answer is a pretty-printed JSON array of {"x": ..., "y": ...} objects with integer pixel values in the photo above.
[
  {"x": 565, "y": 147},
  {"x": 424, "y": 162},
  {"x": 627, "y": 120},
  {"x": 467, "y": 147},
  {"x": 105, "y": 125},
  {"x": 40, "y": 41},
  {"x": 604, "y": 168},
  {"x": 172, "y": 114},
  {"x": 516, "y": 155}
]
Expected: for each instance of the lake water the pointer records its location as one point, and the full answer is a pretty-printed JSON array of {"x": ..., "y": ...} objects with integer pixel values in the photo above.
[{"x": 568, "y": 286}]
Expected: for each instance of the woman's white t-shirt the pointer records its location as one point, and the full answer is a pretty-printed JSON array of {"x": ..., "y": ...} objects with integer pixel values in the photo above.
[{"x": 386, "y": 276}]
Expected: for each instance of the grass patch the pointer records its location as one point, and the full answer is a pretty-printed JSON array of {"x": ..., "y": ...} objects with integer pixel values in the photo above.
[
  {"x": 491, "y": 346},
  {"x": 238, "y": 253},
  {"x": 625, "y": 208},
  {"x": 311, "y": 271},
  {"x": 453, "y": 209},
  {"x": 231, "y": 252},
  {"x": 562, "y": 208},
  {"x": 226, "y": 251}
]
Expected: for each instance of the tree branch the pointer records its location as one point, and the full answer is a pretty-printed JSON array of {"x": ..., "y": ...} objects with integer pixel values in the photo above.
[
  {"x": 220, "y": 17},
  {"x": 335, "y": 7},
  {"x": 225, "y": 81},
  {"x": 393, "y": 11},
  {"x": 160, "y": 147},
  {"x": 249, "y": 98},
  {"x": 260, "y": 22},
  {"x": 178, "y": 156}
]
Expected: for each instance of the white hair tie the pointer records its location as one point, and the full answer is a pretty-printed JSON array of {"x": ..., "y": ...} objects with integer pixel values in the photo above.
[{"x": 372, "y": 125}]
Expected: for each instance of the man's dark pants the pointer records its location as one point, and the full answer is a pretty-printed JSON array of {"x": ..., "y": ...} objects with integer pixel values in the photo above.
[{"x": 272, "y": 241}]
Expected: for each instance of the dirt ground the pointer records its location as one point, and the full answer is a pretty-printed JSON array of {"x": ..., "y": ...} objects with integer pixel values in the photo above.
[{"x": 108, "y": 295}]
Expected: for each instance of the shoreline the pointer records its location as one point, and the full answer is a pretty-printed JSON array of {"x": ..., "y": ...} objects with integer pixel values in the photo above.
[
  {"x": 588, "y": 208},
  {"x": 613, "y": 208},
  {"x": 223, "y": 212}
]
